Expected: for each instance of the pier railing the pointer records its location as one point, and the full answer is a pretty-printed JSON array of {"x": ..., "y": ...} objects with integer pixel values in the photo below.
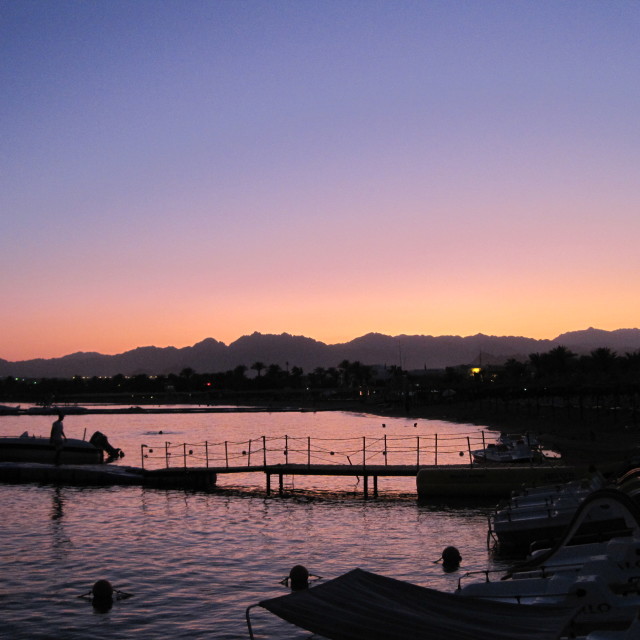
[{"x": 418, "y": 450}]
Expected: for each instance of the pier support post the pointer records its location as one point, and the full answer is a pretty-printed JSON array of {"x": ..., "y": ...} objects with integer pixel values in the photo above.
[
  {"x": 366, "y": 487},
  {"x": 280, "y": 484},
  {"x": 375, "y": 486},
  {"x": 268, "y": 484}
]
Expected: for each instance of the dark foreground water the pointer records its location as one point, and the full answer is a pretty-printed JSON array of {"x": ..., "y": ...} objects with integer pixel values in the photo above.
[{"x": 194, "y": 561}]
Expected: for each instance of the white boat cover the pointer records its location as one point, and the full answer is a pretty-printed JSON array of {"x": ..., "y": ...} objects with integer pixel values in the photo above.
[{"x": 360, "y": 605}]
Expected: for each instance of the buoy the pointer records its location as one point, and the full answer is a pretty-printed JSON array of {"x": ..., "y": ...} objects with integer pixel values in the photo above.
[
  {"x": 102, "y": 590},
  {"x": 102, "y": 593},
  {"x": 298, "y": 578},
  {"x": 451, "y": 558}
]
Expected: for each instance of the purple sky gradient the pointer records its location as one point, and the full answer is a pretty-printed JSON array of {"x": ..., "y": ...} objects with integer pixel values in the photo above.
[{"x": 172, "y": 171}]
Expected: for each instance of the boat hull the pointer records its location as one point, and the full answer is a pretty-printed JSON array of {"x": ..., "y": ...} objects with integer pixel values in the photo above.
[{"x": 36, "y": 449}]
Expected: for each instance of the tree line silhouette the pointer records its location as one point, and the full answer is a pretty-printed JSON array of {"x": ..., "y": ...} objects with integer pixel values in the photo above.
[{"x": 556, "y": 372}]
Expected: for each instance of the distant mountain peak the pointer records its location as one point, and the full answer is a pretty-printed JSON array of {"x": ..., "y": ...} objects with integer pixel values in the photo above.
[{"x": 409, "y": 351}]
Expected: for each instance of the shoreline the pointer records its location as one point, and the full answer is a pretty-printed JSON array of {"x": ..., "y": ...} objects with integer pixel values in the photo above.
[{"x": 580, "y": 434}]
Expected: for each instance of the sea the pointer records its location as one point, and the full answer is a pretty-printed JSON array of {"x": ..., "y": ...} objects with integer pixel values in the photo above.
[{"x": 188, "y": 563}]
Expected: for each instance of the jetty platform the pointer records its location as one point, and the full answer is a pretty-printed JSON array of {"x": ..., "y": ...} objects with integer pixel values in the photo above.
[{"x": 432, "y": 481}]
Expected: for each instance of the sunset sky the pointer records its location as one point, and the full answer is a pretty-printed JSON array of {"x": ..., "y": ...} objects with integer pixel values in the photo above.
[{"x": 172, "y": 171}]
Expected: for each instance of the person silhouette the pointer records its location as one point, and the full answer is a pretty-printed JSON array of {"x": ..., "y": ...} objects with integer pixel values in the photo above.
[{"x": 57, "y": 438}]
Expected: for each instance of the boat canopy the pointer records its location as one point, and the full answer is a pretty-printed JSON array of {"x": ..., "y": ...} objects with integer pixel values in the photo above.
[{"x": 360, "y": 605}]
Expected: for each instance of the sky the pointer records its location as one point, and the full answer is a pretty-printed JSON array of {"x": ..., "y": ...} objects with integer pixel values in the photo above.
[{"x": 173, "y": 171}]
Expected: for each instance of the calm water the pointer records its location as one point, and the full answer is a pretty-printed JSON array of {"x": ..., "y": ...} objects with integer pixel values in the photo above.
[{"x": 194, "y": 561}]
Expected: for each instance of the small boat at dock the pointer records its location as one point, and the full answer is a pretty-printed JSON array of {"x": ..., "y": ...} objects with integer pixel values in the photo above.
[
  {"x": 596, "y": 573},
  {"x": 546, "y": 514},
  {"x": 31, "y": 448},
  {"x": 509, "y": 449}
]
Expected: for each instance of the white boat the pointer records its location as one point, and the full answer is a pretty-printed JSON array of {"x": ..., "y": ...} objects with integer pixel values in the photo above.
[
  {"x": 549, "y": 495},
  {"x": 601, "y": 578},
  {"x": 360, "y": 605},
  {"x": 544, "y": 514},
  {"x": 601, "y": 604},
  {"x": 31, "y": 448},
  {"x": 509, "y": 449},
  {"x": 512, "y": 438}
]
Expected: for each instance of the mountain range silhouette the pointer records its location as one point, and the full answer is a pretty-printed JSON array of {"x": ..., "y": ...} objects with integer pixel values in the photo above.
[{"x": 410, "y": 352}]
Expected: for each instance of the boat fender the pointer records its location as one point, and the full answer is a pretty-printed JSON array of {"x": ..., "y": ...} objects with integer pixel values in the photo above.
[{"x": 102, "y": 590}]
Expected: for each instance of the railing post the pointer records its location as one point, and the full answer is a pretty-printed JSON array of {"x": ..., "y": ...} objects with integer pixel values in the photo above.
[
  {"x": 184, "y": 454},
  {"x": 364, "y": 453},
  {"x": 418, "y": 451},
  {"x": 286, "y": 449},
  {"x": 142, "y": 446},
  {"x": 249, "y": 455},
  {"x": 226, "y": 453},
  {"x": 308, "y": 451},
  {"x": 166, "y": 453},
  {"x": 206, "y": 453},
  {"x": 385, "y": 448},
  {"x": 436, "y": 449},
  {"x": 469, "y": 448},
  {"x": 264, "y": 450}
]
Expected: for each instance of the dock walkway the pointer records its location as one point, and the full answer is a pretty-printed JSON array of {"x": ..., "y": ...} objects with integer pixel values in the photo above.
[{"x": 431, "y": 480}]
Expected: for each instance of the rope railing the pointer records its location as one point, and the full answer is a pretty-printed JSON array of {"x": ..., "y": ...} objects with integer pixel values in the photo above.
[{"x": 283, "y": 450}]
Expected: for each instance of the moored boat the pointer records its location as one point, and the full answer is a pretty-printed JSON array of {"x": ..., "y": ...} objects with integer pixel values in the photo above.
[
  {"x": 510, "y": 449},
  {"x": 526, "y": 520},
  {"x": 600, "y": 577},
  {"x": 31, "y": 448}
]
